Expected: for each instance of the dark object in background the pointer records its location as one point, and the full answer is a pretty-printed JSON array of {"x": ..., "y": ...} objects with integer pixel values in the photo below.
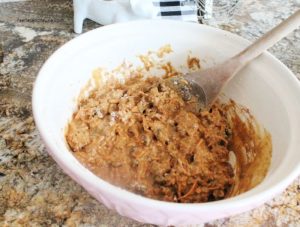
[{"x": 185, "y": 10}]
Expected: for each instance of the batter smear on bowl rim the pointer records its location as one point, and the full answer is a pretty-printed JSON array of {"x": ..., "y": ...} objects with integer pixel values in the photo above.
[{"x": 140, "y": 135}]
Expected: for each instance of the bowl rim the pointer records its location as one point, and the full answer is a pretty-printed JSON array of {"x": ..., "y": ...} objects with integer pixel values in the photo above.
[{"x": 238, "y": 201}]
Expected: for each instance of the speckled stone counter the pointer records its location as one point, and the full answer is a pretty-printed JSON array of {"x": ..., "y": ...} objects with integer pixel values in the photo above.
[{"x": 33, "y": 189}]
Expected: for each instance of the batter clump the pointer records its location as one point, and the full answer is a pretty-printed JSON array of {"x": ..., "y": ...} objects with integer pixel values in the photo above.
[{"x": 140, "y": 135}]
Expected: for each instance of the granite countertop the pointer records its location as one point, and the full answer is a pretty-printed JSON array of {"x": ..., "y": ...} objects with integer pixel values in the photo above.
[{"x": 33, "y": 189}]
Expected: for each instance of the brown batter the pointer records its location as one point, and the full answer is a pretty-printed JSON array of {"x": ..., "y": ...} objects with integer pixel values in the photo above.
[
  {"x": 140, "y": 135},
  {"x": 143, "y": 137}
]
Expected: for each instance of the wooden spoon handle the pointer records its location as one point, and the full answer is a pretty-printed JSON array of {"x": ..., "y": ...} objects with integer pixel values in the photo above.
[{"x": 269, "y": 39}]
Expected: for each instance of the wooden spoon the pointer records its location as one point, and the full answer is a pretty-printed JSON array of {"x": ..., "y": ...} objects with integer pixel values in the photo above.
[{"x": 206, "y": 85}]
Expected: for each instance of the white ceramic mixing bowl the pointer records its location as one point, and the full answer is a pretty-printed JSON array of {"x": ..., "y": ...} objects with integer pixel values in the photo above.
[{"x": 265, "y": 86}]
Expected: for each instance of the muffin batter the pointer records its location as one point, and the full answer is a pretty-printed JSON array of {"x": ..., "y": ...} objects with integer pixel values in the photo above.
[
  {"x": 143, "y": 137},
  {"x": 140, "y": 135}
]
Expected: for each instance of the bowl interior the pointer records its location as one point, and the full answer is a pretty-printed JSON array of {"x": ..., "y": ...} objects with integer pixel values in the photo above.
[{"x": 265, "y": 86}]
